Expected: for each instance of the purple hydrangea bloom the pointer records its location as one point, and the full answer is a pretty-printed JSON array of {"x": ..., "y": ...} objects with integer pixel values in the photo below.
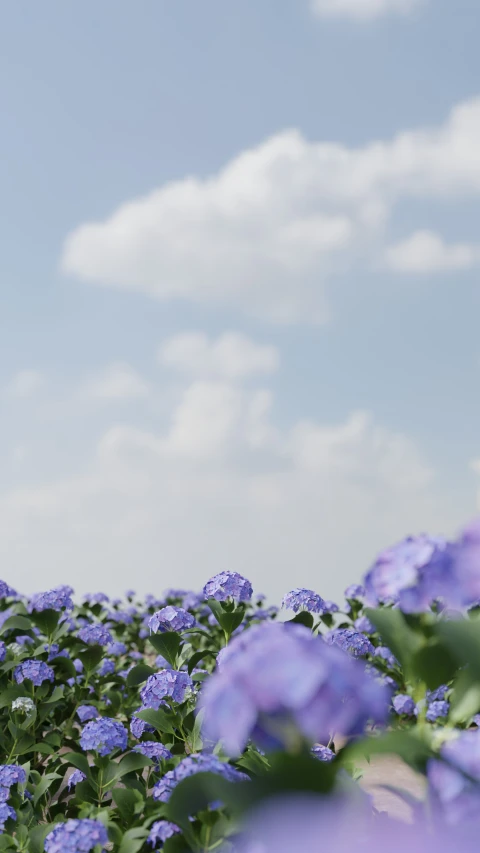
[
  {"x": 6, "y": 591},
  {"x": 228, "y": 585},
  {"x": 138, "y": 726},
  {"x": 103, "y": 735},
  {"x": 96, "y": 598},
  {"x": 330, "y": 607},
  {"x": 174, "y": 593},
  {"x": 385, "y": 654},
  {"x": 6, "y": 813},
  {"x": 455, "y": 797},
  {"x": 3, "y": 651},
  {"x": 95, "y": 635},
  {"x": 87, "y": 712},
  {"x": 53, "y": 599},
  {"x": 350, "y": 641},
  {"x": 36, "y": 670},
  {"x": 198, "y": 763},
  {"x": 76, "y": 836},
  {"x": 78, "y": 664},
  {"x": 273, "y": 676},
  {"x": 355, "y": 591},
  {"x": 193, "y": 600},
  {"x": 364, "y": 625},
  {"x": 404, "y": 704},
  {"x": 153, "y": 749},
  {"x": 107, "y": 667},
  {"x": 414, "y": 573},
  {"x": 162, "y": 663},
  {"x": 438, "y": 694},
  {"x": 136, "y": 655},
  {"x": 171, "y": 619},
  {"x": 117, "y": 649},
  {"x": 300, "y": 598},
  {"x": 167, "y": 683},
  {"x": 75, "y": 778},
  {"x": 160, "y": 831},
  {"x": 467, "y": 564},
  {"x": 436, "y": 710},
  {"x": 323, "y": 753},
  {"x": 10, "y": 774}
]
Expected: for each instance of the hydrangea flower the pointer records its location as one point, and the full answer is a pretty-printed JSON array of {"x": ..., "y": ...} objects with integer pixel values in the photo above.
[
  {"x": 75, "y": 778},
  {"x": 354, "y": 591},
  {"x": 167, "y": 683},
  {"x": 350, "y": 641},
  {"x": 171, "y": 619},
  {"x": 11, "y": 774},
  {"x": 6, "y": 813},
  {"x": 23, "y": 704},
  {"x": 323, "y": 753},
  {"x": 467, "y": 564},
  {"x": 96, "y": 598},
  {"x": 385, "y": 654},
  {"x": 3, "y": 651},
  {"x": 107, "y": 667},
  {"x": 153, "y": 749},
  {"x": 197, "y": 763},
  {"x": 228, "y": 585},
  {"x": 36, "y": 670},
  {"x": 436, "y": 710},
  {"x": 76, "y": 836},
  {"x": 117, "y": 649},
  {"x": 160, "y": 831},
  {"x": 404, "y": 704},
  {"x": 455, "y": 797},
  {"x": 192, "y": 600},
  {"x": 364, "y": 625},
  {"x": 6, "y": 591},
  {"x": 273, "y": 677},
  {"x": 87, "y": 712},
  {"x": 300, "y": 598},
  {"x": 414, "y": 573},
  {"x": 54, "y": 599},
  {"x": 95, "y": 635},
  {"x": 330, "y": 607},
  {"x": 138, "y": 726},
  {"x": 103, "y": 736}
]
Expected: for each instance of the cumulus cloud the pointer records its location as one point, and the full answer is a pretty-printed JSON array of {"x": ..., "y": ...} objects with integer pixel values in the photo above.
[
  {"x": 25, "y": 383},
  {"x": 230, "y": 356},
  {"x": 363, "y": 10},
  {"x": 117, "y": 381},
  {"x": 221, "y": 485},
  {"x": 426, "y": 252},
  {"x": 268, "y": 230}
]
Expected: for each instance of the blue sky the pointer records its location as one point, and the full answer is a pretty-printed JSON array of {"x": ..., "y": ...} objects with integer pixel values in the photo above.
[{"x": 271, "y": 363}]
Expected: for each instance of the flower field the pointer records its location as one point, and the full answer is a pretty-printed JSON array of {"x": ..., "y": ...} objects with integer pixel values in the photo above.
[{"x": 213, "y": 722}]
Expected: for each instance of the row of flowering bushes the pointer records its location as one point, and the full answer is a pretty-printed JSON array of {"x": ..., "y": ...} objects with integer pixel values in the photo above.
[{"x": 211, "y": 722}]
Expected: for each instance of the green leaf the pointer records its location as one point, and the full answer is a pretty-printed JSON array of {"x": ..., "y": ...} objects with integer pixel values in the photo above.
[
  {"x": 78, "y": 760},
  {"x": 10, "y": 693},
  {"x": 229, "y": 619},
  {"x": 396, "y": 634},
  {"x": 133, "y": 840},
  {"x": 46, "y": 620},
  {"x": 303, "y": 618},
  {"x": 44, "y": 785},
  {"x": 462, "y": 638},
  {"x": 38, "y": 835},
  {"x": 175, "y": 844},
  {"x": 199, "y": 656},
  {"x": 465, "y": 697},
  {"x": 434, "y": 665},
  {"x": 91, "y": 657},
  {"x": 64, "y": 667},
  {"x": 56, "y": 695},
  {"x": 132, "y": 762},
  {"x": 21, "y": 623},
  {"x": 167, "y": 644},
  {"x": 139, "y": 674},
  {"x": 127, "y": 801},
  {"x": 158, "y": 719},
  {"x": 411, "y": 748}
]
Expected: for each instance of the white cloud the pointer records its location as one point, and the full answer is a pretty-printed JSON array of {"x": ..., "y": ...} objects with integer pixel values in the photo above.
[
  {"x": 426, "y": 252},
  {"x": 230, "y": 356},
  {"x": 266, "y": 232},
  {"x": 25, "y": 383},
  {"x": 117, "y": 381},
  {"x": 363, "y": 10},
  {"x": 222, "y": 486}
]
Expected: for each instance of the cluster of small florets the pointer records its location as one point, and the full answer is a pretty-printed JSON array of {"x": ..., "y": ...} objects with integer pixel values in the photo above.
[
  {"x": 95, "y": 635},
  {"x": 35, "y": 670},
  {"x": 6, "y": 591},
  {"x": 54, "y": 599},
  {"x": 154, "y": 750},
  {"x": 189, "y": 766},
  {"x": 24, "y": 705},
  {"x": 228, "y": 585},
  {"x": 171, "y": 619},
  {"x": 304, "y": 599},
  {"x": 161, "y": 830},
  {"x": 166, "y": 684},
  {"x": 350, "y": 641},
  {"x": 103, "y": 735},
  {"x": 76, "y": 836}
]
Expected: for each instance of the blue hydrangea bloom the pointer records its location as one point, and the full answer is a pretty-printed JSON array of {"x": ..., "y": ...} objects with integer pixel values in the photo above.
[
  {"x": 198, "y": 763},
  {"x": 436, "y": 710},
  {"x": 87, "y": 712},
  {"x": 36, "y": 670},
  {"x": 228, "y": 585},
  {"x": 404, "y": 704},
  {"x": 160, "y": 831},
  {"x": 171, "y": 619},
  {"x": 153, "y": 749},
  {"x": 103, "y": 736},
  {"x": 138, "y": 726},
  {"x": 10, "y": 774},
  {"x": 162, "y": 663},
  {"x": 75, "y": 778},
  {"x": 414, "y": 573},
  {"x": 76, "y": 836},
  {"x": 6, "y": 813},
  {"x": 96, "y": 598},
  {"x": 455, "y": 797},
  {"x": 300, "y": 598},
  {"x": 117, "y": 649},
  {"x": 107, "y": 667},
  {"x": 3, "y": 651},
  {"x": 385, "y": 654},
  {"x": 6, "y": 591},
  {"x": 192, "y": 600},
  {"x": 323, "y": 753},
  {"x": 167, "y": 683},
  {"x": 136, "y": 655},
  {"x": 350, "y": 641},
  {"x": 330, "y": 607},
  {"x": 355, "y": 591},
  {"x": 95, "y": 635},
  {"x": 364, "y": 625},
  {"x": 54, "y": 599},
  {"x": 437, "y": 695},
  {"x": 272, "y": 675}
]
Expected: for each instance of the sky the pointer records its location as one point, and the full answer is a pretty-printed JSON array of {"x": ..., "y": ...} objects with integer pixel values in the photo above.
[{"x": 239, "y": 279}]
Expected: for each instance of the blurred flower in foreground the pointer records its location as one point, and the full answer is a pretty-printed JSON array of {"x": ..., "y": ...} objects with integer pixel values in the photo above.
[{"x": 454, "y": 795}]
